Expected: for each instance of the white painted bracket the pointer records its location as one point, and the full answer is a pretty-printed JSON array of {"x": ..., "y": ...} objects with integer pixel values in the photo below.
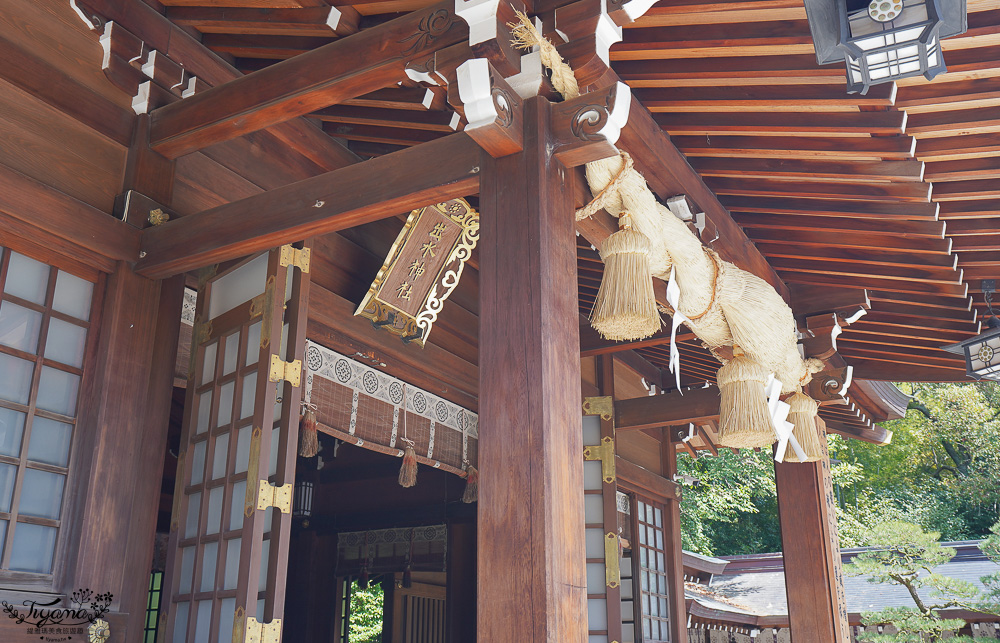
[
  {"x": 481, "y": 16},
  {"x": 618, "y": 115},
  {"x": 140, "y": 103},
  {"x": 638, "y": 8},
  {"x": 333, "y": 18},
  {"x": 475, "y": 92},
  {"x": 528, "y": 82},
  {"x": 607, "y": 34}
]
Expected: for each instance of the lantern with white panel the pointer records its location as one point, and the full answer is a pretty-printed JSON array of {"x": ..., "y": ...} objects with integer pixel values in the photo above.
[
  {"x": 884, "y": 40},
  {"x": 982, "y": 352}
]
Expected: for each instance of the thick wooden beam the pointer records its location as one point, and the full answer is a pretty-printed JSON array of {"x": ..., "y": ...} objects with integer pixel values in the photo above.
[
  {"x": 817, "y": 610},
  {"x": 66, "y": 94},
  {"x": 871, "y": 369},
  {"x": 344, "y": 69},
  {"x": 311, "y": 21},
  {"x": 531, "y": 530},
  {"x": 668, "y": 174},
  {"x": 695, "y": 405},
  {"x": 647, "y": 480},
  {"x": 360, "y": 193},
  {"x": 40, "y": 212}
]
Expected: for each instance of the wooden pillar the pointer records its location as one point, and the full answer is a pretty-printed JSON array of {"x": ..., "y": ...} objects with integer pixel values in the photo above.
[
  {"x": 532, "y": 582},
  {"x": 460, "y": 601},
  {"x": 817, "y": 610},
  {"x": 128, "y": 411},
  {"x": 675, "y": 556}
]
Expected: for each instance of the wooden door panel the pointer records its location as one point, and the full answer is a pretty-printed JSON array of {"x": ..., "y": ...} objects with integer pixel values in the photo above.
[{"x": 228, "y": 545}]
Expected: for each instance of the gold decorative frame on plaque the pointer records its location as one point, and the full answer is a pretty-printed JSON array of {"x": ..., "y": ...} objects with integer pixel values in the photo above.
[{"x": 421, "y": 270}]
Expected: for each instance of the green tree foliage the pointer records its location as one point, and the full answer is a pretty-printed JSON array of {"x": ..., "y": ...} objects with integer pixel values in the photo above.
[
  {"x": 907, "y": 556},
  {"x": 733, "y": 510},
  {"x": 990, "y": 602},
  {"x": 366, "y": 613},
  {"x": 941, "y": 471}
]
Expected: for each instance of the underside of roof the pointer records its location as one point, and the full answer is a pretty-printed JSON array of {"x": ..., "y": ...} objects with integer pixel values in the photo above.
[{"x": 894, "y": 193}]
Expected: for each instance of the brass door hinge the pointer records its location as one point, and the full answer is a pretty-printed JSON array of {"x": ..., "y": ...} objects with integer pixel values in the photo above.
[
  {"x": 295, "y": 257},
  {"x": 603, "y": 406},
  {"x": 605, "y": 452},
  {"x": 288, "y": 371},
  {"x": 269, "y": 495},
  {"x": 258, "y": 632},
  {"x": 612, "y": 556}
]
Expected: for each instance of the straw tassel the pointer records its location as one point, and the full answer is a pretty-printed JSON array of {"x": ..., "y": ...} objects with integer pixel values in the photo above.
[
  {"x": 408, "y": 472},
  {"x": 744, "y": 417},
  {"x": 308, "y": 436},
  {"x": 471, "y": 485},
  {"x": 803, "y": 415},
  {"x": 626, "y": 307}
]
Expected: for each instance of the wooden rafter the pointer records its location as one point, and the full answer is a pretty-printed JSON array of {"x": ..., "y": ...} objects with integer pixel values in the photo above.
[{"x": 344, "y": 69}]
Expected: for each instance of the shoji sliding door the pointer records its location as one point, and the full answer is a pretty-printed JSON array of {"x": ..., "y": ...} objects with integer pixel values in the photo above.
[{"x": 232, "y": 503}]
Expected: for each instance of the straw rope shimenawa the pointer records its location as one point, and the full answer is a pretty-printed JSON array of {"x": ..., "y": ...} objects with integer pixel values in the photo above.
[
  {"x": 626, "y": 305},
  {"x": 725, "y": 305},
  {"x": 744, "y": 417},
  {"x": 802, "y": 415}
]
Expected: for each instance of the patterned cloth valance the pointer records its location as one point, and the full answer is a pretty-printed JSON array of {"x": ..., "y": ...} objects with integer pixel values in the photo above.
[
  {"x": 365, "y": 404},
  {"x": 383, "y": 551}
]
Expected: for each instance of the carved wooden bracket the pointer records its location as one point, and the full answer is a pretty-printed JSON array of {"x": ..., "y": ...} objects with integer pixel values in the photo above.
[
  {"x": 830, "y": 385},
  {"x": 588, "y": 32},
  {"x": 824, "y": 330},
  {"x": 492, "y": 108},
  {"x": 489, "y": 35},
  {"x": 587, "y": 127}
]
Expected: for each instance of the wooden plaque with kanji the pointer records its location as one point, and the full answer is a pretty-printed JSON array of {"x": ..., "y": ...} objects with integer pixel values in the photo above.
[{"x": 422, "y": 268}]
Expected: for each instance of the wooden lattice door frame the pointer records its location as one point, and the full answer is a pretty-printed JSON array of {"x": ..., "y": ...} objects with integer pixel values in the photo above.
[{"x": 236, "y": 466}]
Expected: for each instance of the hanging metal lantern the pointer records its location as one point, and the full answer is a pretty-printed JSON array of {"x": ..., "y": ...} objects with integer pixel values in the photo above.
[
  {"x": 982, "y": 352},
  {"x": 302, "y": 505},
  {"x": 884, "y": 40}
]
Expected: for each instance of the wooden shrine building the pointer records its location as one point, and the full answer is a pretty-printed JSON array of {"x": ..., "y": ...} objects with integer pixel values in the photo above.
[{"x": 217, "y": 213}]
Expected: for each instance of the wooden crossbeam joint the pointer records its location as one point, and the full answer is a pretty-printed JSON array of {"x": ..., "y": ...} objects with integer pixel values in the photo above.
[
  {"x": 297, "y": 257},
  {"x": 291, "y": 371},
  {"x": 824, "y": 330},
  {"x": 491, "y": 107},
  {"x": 588, "y": 32},
  {"x": 489, "y": 35},
  {"x": 830, "y": 385},
  {"x": 586, "y": 128},
  {"x": 277, "y": 496}
]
